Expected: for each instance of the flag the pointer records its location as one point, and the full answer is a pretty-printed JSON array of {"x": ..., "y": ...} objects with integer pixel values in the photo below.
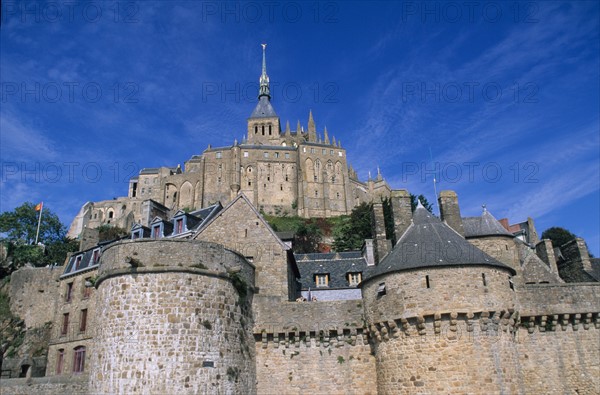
[{"x": 39, "y": 206}]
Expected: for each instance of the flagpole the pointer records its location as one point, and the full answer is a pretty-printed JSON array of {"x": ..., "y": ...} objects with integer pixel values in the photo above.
[{"x": 39, "y": 223}]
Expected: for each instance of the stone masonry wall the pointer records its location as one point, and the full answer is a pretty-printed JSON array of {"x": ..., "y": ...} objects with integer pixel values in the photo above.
[
  {"x": 239, "y": 229},
  {"x": 176, "y": 323},
  {"x": 34, "y": 294},
  {"x": 312, "y": 347},
  {"x": 45, "y": 386},
  {"x": 458, "y": 289},
  {"x": 565, "y": 360}
]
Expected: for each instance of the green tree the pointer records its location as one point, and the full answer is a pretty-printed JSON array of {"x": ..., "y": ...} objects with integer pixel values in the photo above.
[
  {"x": 109, "y": 232},
  {"x": 19, "y": 227},
  {"x": 558, "y": 235},
  {"x": 424, "y": 202},
  {"x": 354, "y": 229},
  {"x": 307, "y": 238}
]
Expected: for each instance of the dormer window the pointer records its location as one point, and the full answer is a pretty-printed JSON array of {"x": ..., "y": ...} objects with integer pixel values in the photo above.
[
  {"x": 78, "y": 262},
  {"x": 156, "y": 231},
  {"x": 354, "y": 278},
  {"x": 95, "y": 256},
  {"x": 322, "y": 280},
  {"x": 179, "y": 226}
]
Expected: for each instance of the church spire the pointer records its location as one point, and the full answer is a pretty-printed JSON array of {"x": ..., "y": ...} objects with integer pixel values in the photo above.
[{"x": 264, "y": 78}]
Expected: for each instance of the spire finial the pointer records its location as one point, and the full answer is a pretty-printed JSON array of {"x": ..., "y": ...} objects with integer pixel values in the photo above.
[
  {"x": 484, "y": 206},
  {"x": 264, "y": 78}
]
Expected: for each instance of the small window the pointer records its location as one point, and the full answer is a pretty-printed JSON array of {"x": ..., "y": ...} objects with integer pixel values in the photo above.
[
  {"x": 316, "y": 193},
  {"x": 280, "y": 187},
  {"x": 331, "y": 152},
  {"x": 354, "y": 278},
  {"x": 245, "y": 154},
  {"x": 96, "y": 256},
  {"x": 65, "y": 324},
  {"x": 179, "y": 225},
  {"x": 511, "y": 284},
  {"x": 69, "y": 294},
  {"x": 78, "y": 262},
  {"x": 427, "y": 282},
  {"x": 265, "y": 154},
  {"x": 316, "y": 178},
  {"x": 83, "y": 320},
  {"x": 381, "y": 289},
  {"x": 322, "y": 280},
  {"x": 111, "y": 213},
  {"x": 249, "y": 183},
  {"x": 483, "y": 279},
  {"x": 87, "y": 291},
  {"x": 79, "y": 359},
  {"x": 312, "y": 150},
  {"x": 286, "y": 177},
  {"x": 263, "y": 130},
  {"x": 303, "y": 149},
  {"x": 218, "y": 180},
  {"x": 324, "y": 152},
  {"x": 277, "y": 154},
  {"x": 219, "y": 155},
  {"x": 337, "y": 195},
  {"x": 255, "y": 129},
  {"x": 60, "y": 360},
  {"x": 269, "y": 129},
  {"x": 287, "y": 155},
  {"x": 156, "y": 231}
]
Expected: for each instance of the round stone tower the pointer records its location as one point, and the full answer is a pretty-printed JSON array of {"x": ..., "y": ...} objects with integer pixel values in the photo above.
[
  {"x": 441, "y": 314},
  {"x": 174, "y": 317}
]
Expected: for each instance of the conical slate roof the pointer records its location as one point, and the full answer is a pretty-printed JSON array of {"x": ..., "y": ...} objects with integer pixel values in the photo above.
[
  {"x": 428, "y": 242},
  {"x": 263, "y": 109},
  {"x": 485, "y": 225}
]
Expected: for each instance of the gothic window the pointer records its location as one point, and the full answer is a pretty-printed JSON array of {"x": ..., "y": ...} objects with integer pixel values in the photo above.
[{"x": 79, "y": 359}]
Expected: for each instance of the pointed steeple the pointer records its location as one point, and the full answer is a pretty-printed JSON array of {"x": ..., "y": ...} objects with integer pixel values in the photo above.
[
  {"x": 312, "y": 130},
  {"x": 264, "y": 78},
  {"x": 334, "y": 143},
  {"x": 287, "y": 128},
  {"x": 326, "y": 136},
  {"x": 298, "y": 128}
]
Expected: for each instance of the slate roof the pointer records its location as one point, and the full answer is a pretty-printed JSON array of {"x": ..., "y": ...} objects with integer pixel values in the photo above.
[
  {"x": 336, "y": 264},
  {"x": 86, "y": 259},
  {"x": 485, "y": 225},
  {"x": 595, "y": 273},
  {"x": 263, "y": 109},
  {"x": 428, "y": 242}
]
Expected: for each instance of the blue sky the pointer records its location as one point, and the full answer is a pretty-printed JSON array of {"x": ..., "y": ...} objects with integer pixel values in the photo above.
[{"x": 500, "y": 100}]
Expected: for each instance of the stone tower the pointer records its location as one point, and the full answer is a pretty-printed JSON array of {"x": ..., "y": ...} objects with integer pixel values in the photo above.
[
  {"x": 174, "y": 317},
  {"x": 263, "y": 124},
  {"x": 419, "y": 324}
]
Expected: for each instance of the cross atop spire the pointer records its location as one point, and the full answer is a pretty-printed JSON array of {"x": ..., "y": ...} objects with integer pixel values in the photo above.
[{"x": 264, "y": 78}]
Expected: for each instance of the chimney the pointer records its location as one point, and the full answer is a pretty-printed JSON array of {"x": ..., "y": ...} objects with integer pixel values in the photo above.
[
  {"x": 545, "y": 252},
  {"x": 382, "y": 245},
  {"x": 368, "y": 252},
  {"x": 450, "y": 211},
  {"x": 402, "y": 212},
  {"x": 531, "y": 232}
]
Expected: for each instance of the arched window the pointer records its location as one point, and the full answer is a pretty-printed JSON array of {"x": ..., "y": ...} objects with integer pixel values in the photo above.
[
  {"x": 263, "y": 130},
  {"x": 110, "y": 214},
  {"x": 60, "y": 360},
  {"x": 269, "y": 129},
  {"x": 255, "y": 129},
  {"x": 78, "y": 359}
]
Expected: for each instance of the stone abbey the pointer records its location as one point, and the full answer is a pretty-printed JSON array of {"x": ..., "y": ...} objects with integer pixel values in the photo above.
[
  {"x": 204, "y": 297},
  {"x": 300, "y": 172}
]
